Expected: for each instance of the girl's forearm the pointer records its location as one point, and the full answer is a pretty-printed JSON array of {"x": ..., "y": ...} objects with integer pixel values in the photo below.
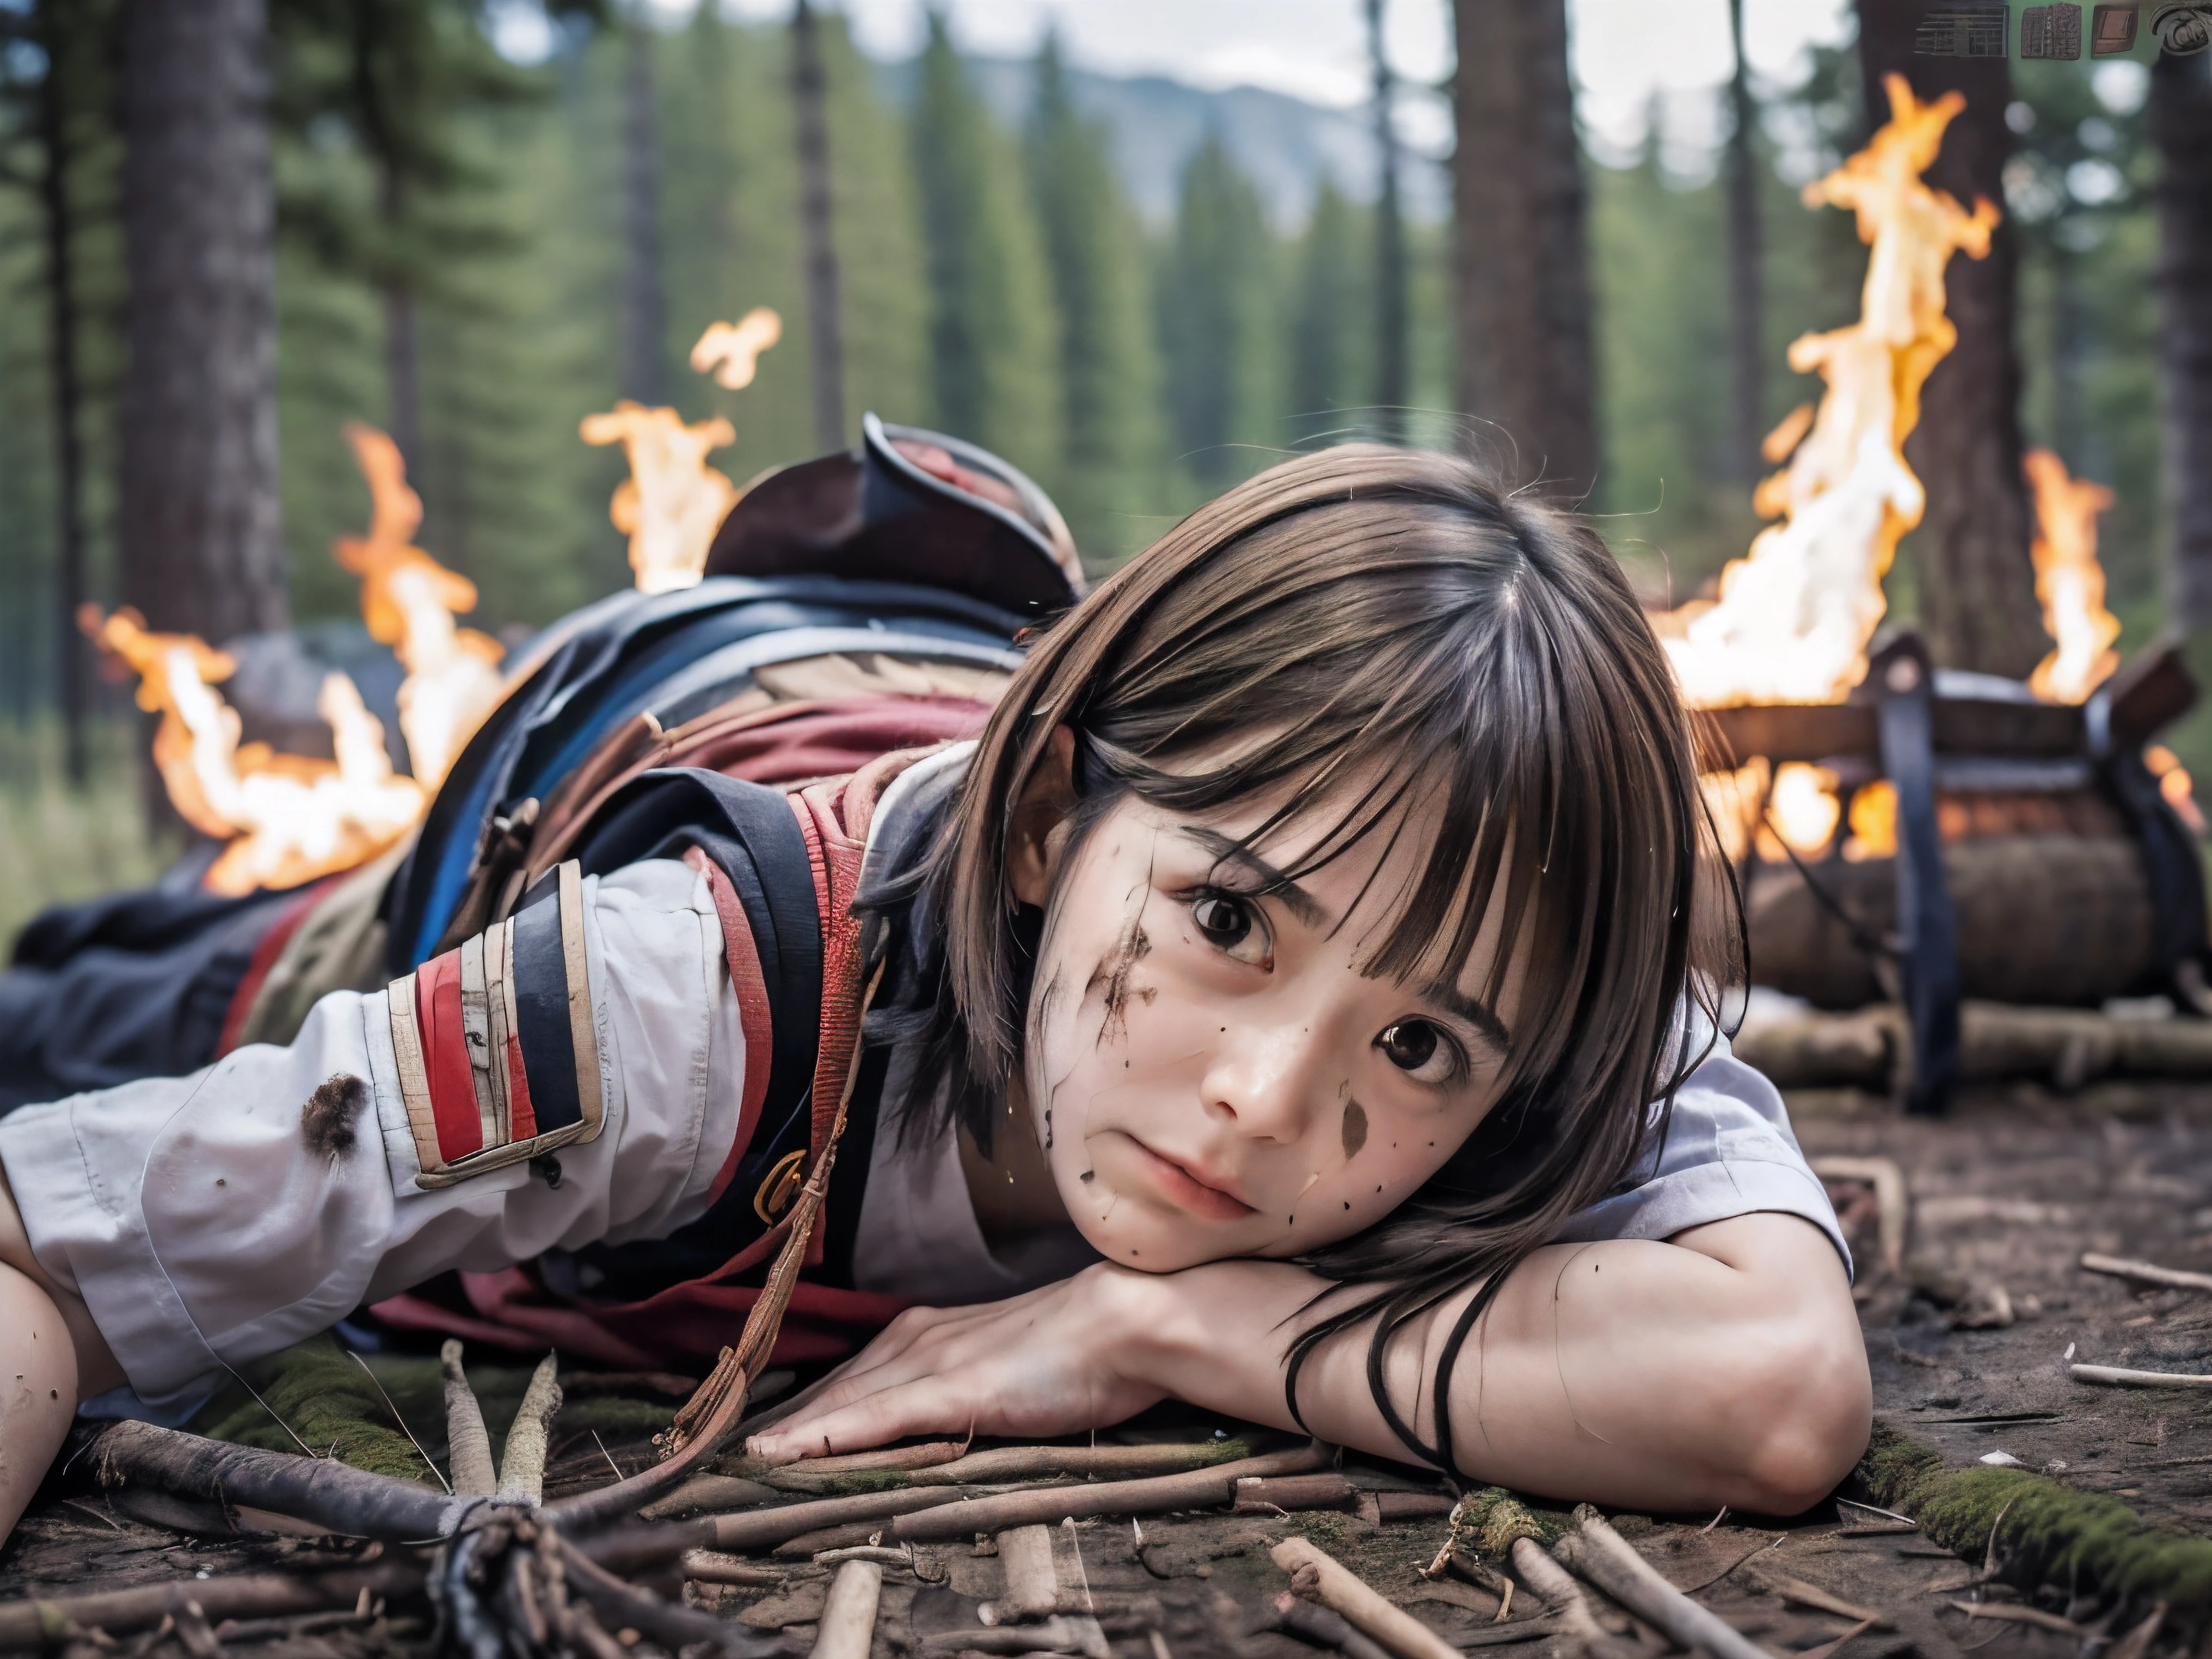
[{"x": 1725, "y": 1367}]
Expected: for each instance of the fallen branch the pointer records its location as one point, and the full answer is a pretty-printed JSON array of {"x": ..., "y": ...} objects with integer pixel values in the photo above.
[
  {"x": 2146, "y": 1273},
  {"x": 758, "y": 1529},
  {"x": 1002, "y": 1463},
  {"x": 1319, "y": 1576},
  {"x": 1259, "y": 1495},
  {"x": 1199, "y": 1489},
  {"x": 522, "y": 1466},
  {"x": 2120, "y": 1376},
  {"x": 1891, "y": 1206},
  {"x": 806, "y": 1473},
  {"x": 709, "y": 1492},
  {"x": 630, "y": 1607},
  {"x": 1324, "y": 1627},
  {"x": 329, "y": 1494},
  {"x": 847, "y": 1629},
  {"x": 711, "y": 1568},
  {"x": 468, "y": 1446},
  {"x": 1032, "y": 1580},
  {"x": 36, "y": 1622},
  {"x": 1607, "y": 1559}
]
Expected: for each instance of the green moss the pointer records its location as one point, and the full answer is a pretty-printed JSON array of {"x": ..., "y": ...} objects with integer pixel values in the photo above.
[
  {"x": 2044, "y": 1531},
  {"x": 317, "y": 1392},
  {"x": 1326, "y": 1530},
  {"x": 1493, "y": 1517}
]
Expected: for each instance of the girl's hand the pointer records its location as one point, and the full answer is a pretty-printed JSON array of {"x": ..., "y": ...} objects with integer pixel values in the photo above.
[{"x": 1071, "y": 1356}]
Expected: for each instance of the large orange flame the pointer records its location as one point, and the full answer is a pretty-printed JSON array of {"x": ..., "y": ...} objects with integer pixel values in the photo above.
[
  {"x": 1794, "y": 617},
  {"x": 287, "y": 819},
  {"x": 672, "y": 502},
  {"x": 2070, "y": 582},
  {"x": 409, "y": 600}
]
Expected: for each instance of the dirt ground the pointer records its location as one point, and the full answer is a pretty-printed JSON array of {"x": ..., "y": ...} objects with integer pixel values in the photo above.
[{"x": 1968, "y": 1345}]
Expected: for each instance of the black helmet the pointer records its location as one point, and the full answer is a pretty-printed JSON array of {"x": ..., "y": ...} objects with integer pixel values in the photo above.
[{"x": 908, "y": 506}]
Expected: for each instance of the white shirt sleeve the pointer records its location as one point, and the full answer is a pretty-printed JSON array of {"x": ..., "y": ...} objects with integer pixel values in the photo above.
[
  {"x": 202, "y": 1227},
  {"x": 1728, "y": 1151}
]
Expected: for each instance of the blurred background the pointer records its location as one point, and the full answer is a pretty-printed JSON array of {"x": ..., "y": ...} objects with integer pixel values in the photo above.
[{"x": 1141, "y": 249}]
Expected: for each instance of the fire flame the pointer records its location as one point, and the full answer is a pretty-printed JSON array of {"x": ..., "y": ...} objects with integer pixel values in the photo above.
[
  {"x": 2070, "y": 582},
  {"x": 1794, "y": 617},
  {"x": 2173, "y": 783},
  {"x": 287, "y": 819},
  {"x": 409, "y": 600},
  {"x": 672, "y": 502},
  {"x": 737, "y": 347},
  {"x": 290, "y": 818}
]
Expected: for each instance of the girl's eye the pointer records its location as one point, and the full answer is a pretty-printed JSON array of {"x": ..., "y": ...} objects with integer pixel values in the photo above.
[
  {"x": 1232, "y": 927},
  {"x": 1421, "y": 1050}
]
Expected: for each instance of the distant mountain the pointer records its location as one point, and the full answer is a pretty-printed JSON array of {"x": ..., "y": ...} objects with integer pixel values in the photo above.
[{"x": 1286, "y": 145}]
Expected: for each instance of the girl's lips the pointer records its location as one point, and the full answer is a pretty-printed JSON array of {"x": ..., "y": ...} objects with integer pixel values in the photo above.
[{"x": 1187, "y": 1190}]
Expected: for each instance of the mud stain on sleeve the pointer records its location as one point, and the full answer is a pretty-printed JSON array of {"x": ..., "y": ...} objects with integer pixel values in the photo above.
[
  {"x": 1355, "y": 1129},
  {"x": 326, "y": 1119}
]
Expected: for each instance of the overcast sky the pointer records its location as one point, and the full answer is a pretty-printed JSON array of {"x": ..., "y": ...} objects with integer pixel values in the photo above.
[{"x": 1625, "y": 51}]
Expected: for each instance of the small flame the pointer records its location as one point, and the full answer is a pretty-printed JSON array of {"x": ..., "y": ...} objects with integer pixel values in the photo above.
[
  {"x": 737, "y": 347},
  {"x": 1794, "y": 617},
  {"x": 289, "y": 819},
  {"x": 672, "y": 502},
  {"x": 1873, "y": 823},
  {"x": 408, "y": 601},
  {"x": 2070, "y": 582},
  {"x": 2173, "y": 783},
  {"x": 1803, "y": 811}
]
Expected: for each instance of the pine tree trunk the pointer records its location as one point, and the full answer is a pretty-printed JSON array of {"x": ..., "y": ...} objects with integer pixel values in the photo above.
[
  {"x": 1391, "y": 388},
  {"x": 2181, "y": 127},
  {"x": 1976, "y": 583},
  {"x": 1527, "y": 377},
  {"x": 824, "y": 323},
  {"x": 58, "y": 210},
  {"x": 403, "y": 374},
  {"x": 1747, "y": 289},
  {"x": 198, "y": 532},
  {"x": 644, "y": 292}
]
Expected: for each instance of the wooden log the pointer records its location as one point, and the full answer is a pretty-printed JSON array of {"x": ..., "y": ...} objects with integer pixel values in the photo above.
[
  {"x": 2050, "y": 919},
  {"x": 1320, "y": 1577},
  {"x": 1199, "y": 1489},
  {"x": 2065, "y": 1046},
  {"x": 1327, "y": 1490},
  {"x": 847, "y": 1629}
]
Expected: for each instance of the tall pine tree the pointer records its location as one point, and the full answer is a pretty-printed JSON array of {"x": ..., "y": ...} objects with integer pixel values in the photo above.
[
  {"x": 1108, "y": 361},
  {"x": 1217, "y": 309},
  {"x": 992, "y": 333},
  {"x": 1332, "y": 336}
]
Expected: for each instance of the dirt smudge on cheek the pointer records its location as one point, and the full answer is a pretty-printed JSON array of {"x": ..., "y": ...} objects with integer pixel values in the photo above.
[
  {"x": 1111, "y": 980},
  {"x": 1355, "y": 1129}
]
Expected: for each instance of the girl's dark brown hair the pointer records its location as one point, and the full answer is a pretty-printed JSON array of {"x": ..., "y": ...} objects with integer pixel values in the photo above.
[{"x": 1363, "y": 606}]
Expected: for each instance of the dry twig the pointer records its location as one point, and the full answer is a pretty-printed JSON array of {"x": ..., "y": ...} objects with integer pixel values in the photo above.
[
  {"x": 2146, "y": 1273},
  {"x": 1199, "y": 1489},
  {"x": 1607, "y": 1559},
  {"x": 2120, "y": 1376},
  {"x": 1324, "y": 1627},
  {"x": 468, "y": 1446},
  {"x": 847, "y": 1629},
  {"x": 1032, "y": 1581},
  {"x": 522, "y": 1464}
]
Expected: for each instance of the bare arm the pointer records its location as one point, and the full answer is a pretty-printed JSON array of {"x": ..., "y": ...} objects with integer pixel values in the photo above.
[
  {"x": 51, "y": 1357},
  {"x": 1724, "y": 1366}
]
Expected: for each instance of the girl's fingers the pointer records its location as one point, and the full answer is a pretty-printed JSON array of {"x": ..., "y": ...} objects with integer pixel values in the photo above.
[{"x": 920, "y": 1406}]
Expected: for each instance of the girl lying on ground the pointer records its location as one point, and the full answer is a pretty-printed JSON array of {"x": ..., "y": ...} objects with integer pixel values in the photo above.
[{"x": 1300, "y": 1002}]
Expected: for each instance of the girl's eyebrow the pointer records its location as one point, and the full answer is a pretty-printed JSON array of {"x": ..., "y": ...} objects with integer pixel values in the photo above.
[
  {"x": 1273, "y": 883},
  {"x": 1453, "y": 1001}
]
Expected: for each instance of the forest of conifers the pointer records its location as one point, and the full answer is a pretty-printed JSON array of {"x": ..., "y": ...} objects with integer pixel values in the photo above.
[{"x": 570, "y": 229}]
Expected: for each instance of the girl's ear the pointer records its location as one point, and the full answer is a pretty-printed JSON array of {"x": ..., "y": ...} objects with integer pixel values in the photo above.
[{"x": 1038, "y": 828}]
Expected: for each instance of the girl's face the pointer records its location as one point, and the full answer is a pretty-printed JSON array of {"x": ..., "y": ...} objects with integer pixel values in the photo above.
[{"x": 1209, "y": 1069}]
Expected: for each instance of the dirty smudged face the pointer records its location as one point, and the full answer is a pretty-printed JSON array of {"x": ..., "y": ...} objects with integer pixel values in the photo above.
[{"x": 1210, "y": 1071}]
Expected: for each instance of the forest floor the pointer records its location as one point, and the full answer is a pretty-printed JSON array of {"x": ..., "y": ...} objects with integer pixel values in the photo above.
[{"x": 2006, "y": 1193}]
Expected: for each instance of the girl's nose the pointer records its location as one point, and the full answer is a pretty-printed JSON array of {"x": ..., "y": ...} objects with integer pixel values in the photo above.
[{"x": 1267, "y": 1080}]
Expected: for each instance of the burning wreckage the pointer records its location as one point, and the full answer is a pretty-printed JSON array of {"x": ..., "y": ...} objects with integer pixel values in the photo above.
[{"x": 1884, "y": 815}]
